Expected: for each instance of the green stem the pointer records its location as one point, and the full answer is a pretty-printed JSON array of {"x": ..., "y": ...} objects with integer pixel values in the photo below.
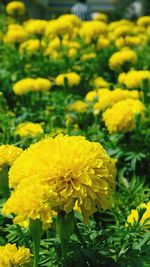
[
  {"x": 36, "y": 232},
  {"x": 4, "y": 181}
]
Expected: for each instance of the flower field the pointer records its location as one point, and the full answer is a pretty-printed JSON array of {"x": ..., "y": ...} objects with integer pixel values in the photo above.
[{"x": 74, "y": 141}]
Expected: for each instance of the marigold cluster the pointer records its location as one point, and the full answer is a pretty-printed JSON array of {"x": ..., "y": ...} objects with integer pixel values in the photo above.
[
  {"x": 15, "y": 8},
  {"x": 134, "y": 78},
  {"x": 71, "y": 78},
  {"x": 119, "y": 59},
  {"x": 121, "y": 117},
  {"x": 29, "y": 129},
  {"x": 8, "y": 154},
  {"x": 34, "y": 85}
]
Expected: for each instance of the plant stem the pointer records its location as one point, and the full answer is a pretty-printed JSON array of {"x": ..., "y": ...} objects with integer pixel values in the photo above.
[{"x": 36, "y": 232}]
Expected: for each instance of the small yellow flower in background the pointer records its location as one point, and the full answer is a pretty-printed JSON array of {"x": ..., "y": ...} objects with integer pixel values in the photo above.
[
  {"x": 28, "y": 129},
  {"x": 78, "y": 106},
  {"x": 121, "y": 117},
  {"x": 72, "y": 79},
  {"x": 73, "y": 168},
  {"x": 15, "y": 8},
  {"x": 134, "y": 78},
  {"x": 72, "y": 52},
  {"x": 74, "y": 20},
  {"x": 103, "y": 42},
  {"x": 91, "y": 95},
  {"x": 8, "y": 154},
  {"x": 107, "y": 98},
  {"x": 118, "y": 59},
  {"x": 15, "y": 35},
  {"x": 58, "y": 28},
  {"x": 92, "y": 30},
  {"x": 123, "y": 30},
  {"x": 35, "y": 26},
  {"x": 30, "y": 46},
  {"x": 101, "y": 16},
  {"x": 144, "y": 21},
  {"x": 10, "y": 256},
  {"x": 140, "y": 215},
  {"x": 99, "y": 82},
  {"x": 88, "y": 56},
  {"x": 34, "y": 85}
]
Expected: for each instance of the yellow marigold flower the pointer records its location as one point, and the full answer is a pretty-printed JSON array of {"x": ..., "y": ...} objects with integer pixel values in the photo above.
[
  {"x": 116, "y": 24},
  {"x": 58, "y": 28},
  {"x": 30, "y": 46},
  {"x": 91, "y": 95},
  {"x": 78, "y": 106},
  {"x": 72, "y": 79},
  {"x": 88, "y": 56},
  {"x": 75, "y": 169},
  {"x": 72, "y": 52},
  {"x": 15, "y": 27},
  {"x": 29, "y": 129},
  {"x": 31, "y": 201},
  {"x": 123, "y": 30},
  {"x": 144, "y": 21},
  {"x": 134, "y": 78},
  {"x": 99, "y": 82},
  {"x": 103, "y": 42},
  {"x": 108, "y": 98},
  {"x": 140, "y": 215},
  {"x": 118, "y": 59},
  {"x": 35, "y": 26},
  {"x": 92, "y": 30},
  {"x": 15, "y": 8},
  {"x": 8, "y": 154},
  {"x": 121, "y": 117},
  {"x": 10, "y": 256},
  {"x": 74, "y": 20},
  {"x": 73, "y": 44},
  {"x": 133, "y": 40},
  {"x": 34, "y": 85},
  {"x": 15, "y": 36},
  {"x": 101, "y": 16}
]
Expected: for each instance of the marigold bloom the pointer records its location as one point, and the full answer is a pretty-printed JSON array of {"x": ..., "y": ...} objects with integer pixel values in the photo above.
[
  {"x": 88, "y": 56},
  {"x": 108, "y": 98},
  {"x": 140, "y": 215},
  {"x": 134, "y": 78},
  {"x": 35, "y": 26},
  {"x": 30, "y": 46},
  {"x": 15, "y": 36},
  {"x": 15, "y": 7},
  {"x": 118, "y": 59},
  {"x": 27, "y": 129},
  {"x": 144, "y": 21},
  {"x": 92, "y": 30},
  {"x": 73, "y": 19},
  {"x": 31, "y": 201},
  {"x": 78, "y": 106},
  {"x": 72, "y": 79},
  {"x": 29, "y": 84},
  {"x": 121, "y": 117},
  {"x": 72, "y": 167},
  {"x": 10, "y": 256},
  {"x": 8, "y": 154},
  {"x": 99, "y": 82},
  {"x": 58, "y": 28}
]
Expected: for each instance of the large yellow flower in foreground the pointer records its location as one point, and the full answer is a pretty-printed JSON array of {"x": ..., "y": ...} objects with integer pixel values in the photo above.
[
  {"x": 11, "y": 256},
  {"x": 15, "y": 8},
  {"x": 121, "y": 117},
  {"x": 8, "y": 154},
  {"x": 72, "y": 79},
  {"x": 72, "y": 167}
]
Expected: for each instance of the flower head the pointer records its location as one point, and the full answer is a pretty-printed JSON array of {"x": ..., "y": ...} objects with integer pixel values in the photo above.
[
  {"x": 27, "y": 129},
  {"x": 8, "y": 154},
  {"x": 15, "y": 7},
  {"x": 11, "y": 256},
  {"x": 71, "y": 77},
  {"x": 77, "y": 170},
  {"x": 119, "y": 59}
]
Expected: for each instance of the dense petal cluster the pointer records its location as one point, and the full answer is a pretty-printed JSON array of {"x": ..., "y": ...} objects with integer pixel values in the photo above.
[
  {"x": 15, "y": 8},
  {"x": 35, "y": 26},
  {"x": 121, "y": 117},
  {"x": 29, "y": 84},
  {"x": 78, "y": 106},
  {"x": 58, "y": 28},
  {"x": 92, "y": 30},
  {"x": 27, "y": 129},
  {"x": 119, "y": 59},
  {"x": 30, "y": 46},
  {"x": 134, "y": 78},
  {"x": 72, "y": 167},
  {"x": 11, "y": 256},
  {"x": 8, "y": 154},
  {"x": 72, "y": 79}
]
